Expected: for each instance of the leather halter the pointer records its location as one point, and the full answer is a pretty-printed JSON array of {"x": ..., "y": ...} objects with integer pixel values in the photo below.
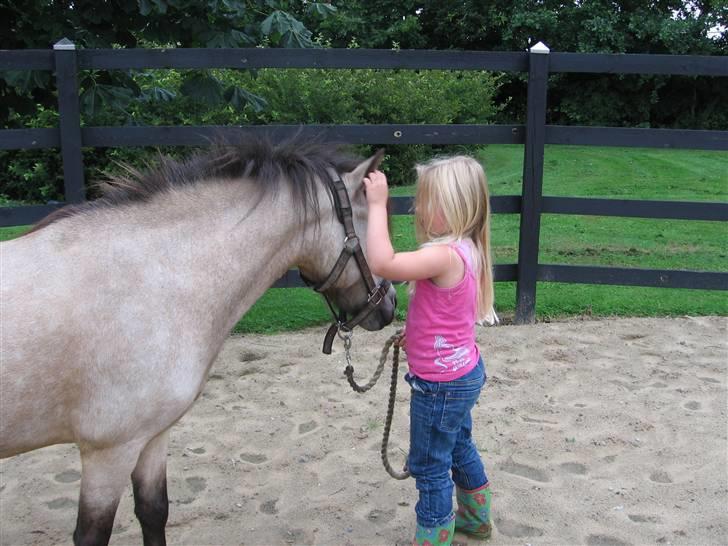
[{"x": 352, "y": 249}]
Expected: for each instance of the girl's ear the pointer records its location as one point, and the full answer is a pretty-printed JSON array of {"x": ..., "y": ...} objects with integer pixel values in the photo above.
[{"x": 353, "y": 179}]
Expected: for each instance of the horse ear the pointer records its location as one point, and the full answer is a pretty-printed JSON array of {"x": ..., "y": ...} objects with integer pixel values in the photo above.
[
  {"x": 353, "y": 179},
  {"x": 375, "y": 161}
]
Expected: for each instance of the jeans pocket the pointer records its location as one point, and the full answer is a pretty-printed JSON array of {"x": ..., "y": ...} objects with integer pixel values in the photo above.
[
  {"x": 412, "y": 380},
  {"x": 457, "y": 407},
  {"x": 422, "y": 409}
]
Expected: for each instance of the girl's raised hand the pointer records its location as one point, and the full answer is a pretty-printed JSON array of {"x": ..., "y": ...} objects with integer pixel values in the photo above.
[{"x": 376, "y": 188}]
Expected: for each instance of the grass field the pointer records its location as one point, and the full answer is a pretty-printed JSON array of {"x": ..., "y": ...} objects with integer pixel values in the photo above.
[{"x": 624, "y": 173}]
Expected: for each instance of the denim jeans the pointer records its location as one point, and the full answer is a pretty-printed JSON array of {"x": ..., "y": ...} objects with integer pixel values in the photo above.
[{"x": 441, "y": 442}]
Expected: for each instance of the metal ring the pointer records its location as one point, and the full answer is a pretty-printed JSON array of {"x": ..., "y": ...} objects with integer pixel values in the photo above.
[{"x": 346, "y": 336}]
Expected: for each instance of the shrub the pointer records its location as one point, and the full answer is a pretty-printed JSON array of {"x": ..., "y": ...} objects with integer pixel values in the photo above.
[{"x": 267, "y": 96}]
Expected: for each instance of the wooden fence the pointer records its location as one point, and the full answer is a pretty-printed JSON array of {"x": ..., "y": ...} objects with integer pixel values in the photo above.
[{"x": 66, "y": 61}]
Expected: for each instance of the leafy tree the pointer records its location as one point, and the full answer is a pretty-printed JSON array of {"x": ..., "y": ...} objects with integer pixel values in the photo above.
[
  {"x": 376, "y": 24},
  {"x": 601, "y": 26},
  {"x": 38, "y": 24}
]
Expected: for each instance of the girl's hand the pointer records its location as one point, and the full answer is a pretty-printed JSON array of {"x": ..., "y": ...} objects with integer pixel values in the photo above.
[
  {"x": 402, "y": 341},
  {"x": 376, "y": 188}
]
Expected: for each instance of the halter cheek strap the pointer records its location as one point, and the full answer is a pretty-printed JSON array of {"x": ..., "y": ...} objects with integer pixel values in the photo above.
[{"x": 352, "y": 248}]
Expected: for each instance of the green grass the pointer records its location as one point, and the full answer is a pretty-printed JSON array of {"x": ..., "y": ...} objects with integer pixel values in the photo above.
[
  {"x": 8, "y": 233},
  {"x": 625, "y": 173}
]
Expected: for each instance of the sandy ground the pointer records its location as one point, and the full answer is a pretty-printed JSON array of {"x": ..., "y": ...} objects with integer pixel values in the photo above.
[{"x": 603, "y": 433}]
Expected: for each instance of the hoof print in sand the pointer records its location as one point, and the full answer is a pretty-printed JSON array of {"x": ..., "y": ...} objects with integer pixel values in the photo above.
[
  {"x": 196, "y": 484},
  {"x": 251, "y": 356},
  {"x": 380, "y": 516},
  {"x": 660, "y": 476},
  {"x": 605, "y": 540},
  {"x": 524, "y": 471},
  {"x": 62, "y": 504},
  {"x": 638, "y": 518},
  {"x": 68, "y": 476},
  {"x": 249, "y": 371},
  {"x": 297, "y": 536},
  {"x": 573, "y": 468},
  {"x": 254, "y": 458},
  {"x": 303, "y": 428},
  {"x": 513, "y": 529}
]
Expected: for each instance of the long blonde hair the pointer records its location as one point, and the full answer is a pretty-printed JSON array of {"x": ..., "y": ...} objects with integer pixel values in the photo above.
[{"x": 457, "y": 188}]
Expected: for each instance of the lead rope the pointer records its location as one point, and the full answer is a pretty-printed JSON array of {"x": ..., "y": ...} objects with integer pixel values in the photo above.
[{"x": 349, "y": 372}]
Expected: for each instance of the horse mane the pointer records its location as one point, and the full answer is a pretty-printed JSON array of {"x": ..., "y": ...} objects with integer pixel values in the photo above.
[{"x": 296, "y": 162}]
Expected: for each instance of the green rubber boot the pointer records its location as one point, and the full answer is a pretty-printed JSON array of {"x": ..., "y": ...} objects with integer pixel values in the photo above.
[
  {"x": 473, "y": 514},
  {"x": 435, "y": 536}
]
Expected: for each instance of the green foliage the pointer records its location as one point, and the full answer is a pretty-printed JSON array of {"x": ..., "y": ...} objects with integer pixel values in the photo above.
[
  {"x": 377, "y": 97},
  {"x": 38, "y": 24},
  {"x": 32, "y": 176},
  {"x": 641, "y": 26},
  {"x": 382, "y": 24},
  {"x": 597, "y": 26},
  {"x": 268, "y": 96},
  {"x": 665, "y": 27}
]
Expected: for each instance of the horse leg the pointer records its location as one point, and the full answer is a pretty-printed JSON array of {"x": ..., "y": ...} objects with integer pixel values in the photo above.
[
  {"x": 104, "y": 475},
  {"x": 149, "y": 478}
]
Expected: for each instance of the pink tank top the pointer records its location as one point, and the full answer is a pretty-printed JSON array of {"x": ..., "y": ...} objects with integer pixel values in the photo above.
[{"x": 440, "y": 325}]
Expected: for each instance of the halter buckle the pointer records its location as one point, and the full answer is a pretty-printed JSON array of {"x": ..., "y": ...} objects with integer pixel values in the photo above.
[{"x": 377, "y": 293}]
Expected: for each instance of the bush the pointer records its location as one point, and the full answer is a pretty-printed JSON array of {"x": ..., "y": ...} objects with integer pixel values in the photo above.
[
  {"x": 268, "y": 96},
  {"x": 377, "y": 97}
]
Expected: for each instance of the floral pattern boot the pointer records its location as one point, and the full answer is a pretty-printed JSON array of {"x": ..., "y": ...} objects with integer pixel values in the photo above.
[
  {"x": 473, "y": 514},
  {"x": 435, "y": 536}
]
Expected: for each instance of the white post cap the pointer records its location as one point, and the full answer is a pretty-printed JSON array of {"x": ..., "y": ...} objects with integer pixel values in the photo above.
[
  {"x": 64, "y": 44},
  {"x": 540, "y": 48}
]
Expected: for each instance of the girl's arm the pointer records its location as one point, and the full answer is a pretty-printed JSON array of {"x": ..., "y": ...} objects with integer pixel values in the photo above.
[{"x": 425, "y": 263}]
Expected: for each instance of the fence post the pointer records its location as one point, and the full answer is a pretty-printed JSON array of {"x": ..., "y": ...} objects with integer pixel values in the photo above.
[
  {"x": 538, "y": 72},
  {"x": 70, "y": 120}
]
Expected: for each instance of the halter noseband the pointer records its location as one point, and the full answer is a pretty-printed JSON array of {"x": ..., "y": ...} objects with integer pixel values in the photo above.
[{"x": 352, "y": 248}]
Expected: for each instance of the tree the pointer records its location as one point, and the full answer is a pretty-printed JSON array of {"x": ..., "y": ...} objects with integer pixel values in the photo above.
[
  {"x": 147, "y": 23},
  {"x": 595, "y": 26},
  {"x": 375, "y": 24}
]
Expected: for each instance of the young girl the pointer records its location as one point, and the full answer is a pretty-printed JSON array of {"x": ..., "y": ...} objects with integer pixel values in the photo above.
[{"x": 453, "y": 290}]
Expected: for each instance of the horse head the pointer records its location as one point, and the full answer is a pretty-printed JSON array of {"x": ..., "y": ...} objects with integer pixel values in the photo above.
[{"x": 337, "y": 267}]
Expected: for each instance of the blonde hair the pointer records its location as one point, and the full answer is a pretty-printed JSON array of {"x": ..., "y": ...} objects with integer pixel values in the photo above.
[{"x": 457, "y": 188}]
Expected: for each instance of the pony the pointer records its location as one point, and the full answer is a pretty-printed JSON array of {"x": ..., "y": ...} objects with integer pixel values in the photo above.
[{"x": 114, "y": 310}]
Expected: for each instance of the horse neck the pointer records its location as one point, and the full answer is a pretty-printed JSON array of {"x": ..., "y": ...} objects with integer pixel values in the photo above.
[
  {"x": 217, "y": 245},
  {"x": 250, "y": 243}
]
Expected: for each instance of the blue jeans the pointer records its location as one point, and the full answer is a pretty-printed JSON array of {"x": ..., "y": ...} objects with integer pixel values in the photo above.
[{"x": 441, "y": 442}]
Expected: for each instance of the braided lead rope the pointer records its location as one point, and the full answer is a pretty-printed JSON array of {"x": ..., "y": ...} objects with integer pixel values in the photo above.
[
  {"x": 390, "y": 411},
  {"x": 349, "y": 372}
]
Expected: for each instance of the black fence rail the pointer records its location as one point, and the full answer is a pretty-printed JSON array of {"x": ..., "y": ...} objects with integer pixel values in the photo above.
[{"x": 66, "y": 61}]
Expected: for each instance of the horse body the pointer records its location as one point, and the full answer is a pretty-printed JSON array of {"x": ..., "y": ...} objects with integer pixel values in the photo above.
[{"x": 111, "y": 320}]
